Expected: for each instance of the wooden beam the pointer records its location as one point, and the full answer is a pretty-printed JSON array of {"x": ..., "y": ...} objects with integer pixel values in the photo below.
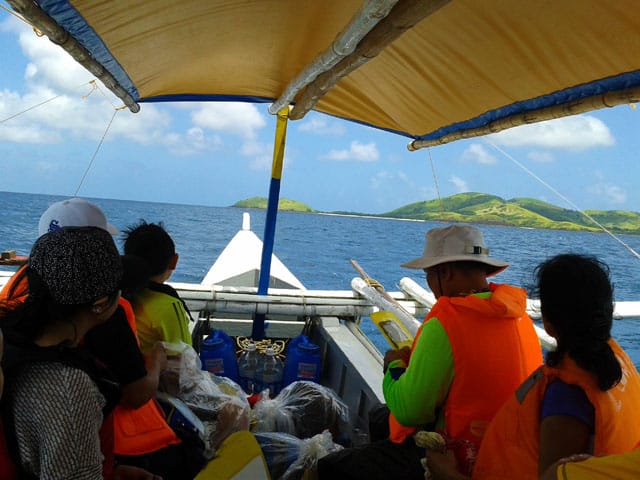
[
  {"x": 405, "y": 15},
  {"x": 58, "y": 35},
  {"x": 582, "y": 105},
  {"x": 371, "y": 12}
]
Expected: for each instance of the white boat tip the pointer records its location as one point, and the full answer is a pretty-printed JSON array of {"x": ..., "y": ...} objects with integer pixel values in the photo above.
[{"x": 246, "y": 221}]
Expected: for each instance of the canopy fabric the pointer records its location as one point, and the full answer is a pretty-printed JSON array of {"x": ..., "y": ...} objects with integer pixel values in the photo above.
[{"x": 467, "y": 64}]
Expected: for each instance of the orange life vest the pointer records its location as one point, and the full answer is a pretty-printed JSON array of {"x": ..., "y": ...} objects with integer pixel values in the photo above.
[
  {"x": 494, "y": 347},
  {"x": 510, "y": 448},
  {"x": 20, "y": 291},
  {"x": 143, "y": 430}
]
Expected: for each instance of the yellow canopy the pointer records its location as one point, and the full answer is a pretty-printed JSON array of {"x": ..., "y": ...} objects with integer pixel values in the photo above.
[{"x": 445, "y": 69}]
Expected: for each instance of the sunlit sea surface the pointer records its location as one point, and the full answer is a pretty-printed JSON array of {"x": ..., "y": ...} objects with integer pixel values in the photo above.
[{"x": 317, "y": 248}]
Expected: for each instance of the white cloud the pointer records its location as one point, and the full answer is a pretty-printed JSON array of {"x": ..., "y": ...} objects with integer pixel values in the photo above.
[
  {"x": 478, "y": 154},
  {"x": 320, "y": 126},
  {"x": 73, "y": 110},
  {"x": 260, "y": 155},
  {"x": 50, "y": 65},
  {"x": 398, "y": 188},
  {"x": 579, "y": 132},
  {"x": 540, "y": 157},
  {"x": 359, "y": 152},
  {"x": 613, "y": 193},
  {"x": 242, "y": 119},
  {"x": 59, "y": 104},
  {"x": 459, "y": 184},
  {"x": 193, "y": 141}
]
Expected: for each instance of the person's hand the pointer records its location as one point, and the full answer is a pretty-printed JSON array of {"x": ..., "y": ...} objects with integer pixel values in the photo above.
[
  {"x": 127, "y": 472},
  {"x": 401, "y": 354},
  {"x": 442, "y": 466},
  {"x": 551, "y": 473},
  {"x": 156, "y": 357}
]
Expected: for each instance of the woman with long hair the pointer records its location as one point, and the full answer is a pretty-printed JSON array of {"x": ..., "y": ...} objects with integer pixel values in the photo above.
[
  {"x": 585, "y": 399},
  {"x": 57, "y": 399}
]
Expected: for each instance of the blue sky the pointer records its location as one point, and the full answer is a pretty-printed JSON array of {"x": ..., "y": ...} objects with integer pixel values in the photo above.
[{"x": 216, "y": 154}]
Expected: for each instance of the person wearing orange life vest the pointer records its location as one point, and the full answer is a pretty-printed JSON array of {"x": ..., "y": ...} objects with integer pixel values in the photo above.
[
  {"x": 456, "y": 375},
  {"x": 586, "y": 397},
  {"x": 141, "y": 435}
]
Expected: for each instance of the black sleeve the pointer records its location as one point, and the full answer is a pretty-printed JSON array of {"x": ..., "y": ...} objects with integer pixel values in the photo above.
[{"x": 115, "y": 345}]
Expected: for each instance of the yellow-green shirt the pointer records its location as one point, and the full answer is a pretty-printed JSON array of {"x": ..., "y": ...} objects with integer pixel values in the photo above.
[{"x": 160, "y": 318}]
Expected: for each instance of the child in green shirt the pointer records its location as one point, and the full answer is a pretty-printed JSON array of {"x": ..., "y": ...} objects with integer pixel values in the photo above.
[{"x": 161, "y": 315}]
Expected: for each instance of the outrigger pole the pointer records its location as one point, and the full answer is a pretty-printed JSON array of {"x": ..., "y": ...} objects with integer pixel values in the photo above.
[{"x": 257, "y": 331}]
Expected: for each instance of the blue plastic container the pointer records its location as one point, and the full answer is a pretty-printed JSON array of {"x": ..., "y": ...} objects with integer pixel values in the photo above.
[
  {"x": 218, "y": 355},
  {"x": 303, "y": 361}
]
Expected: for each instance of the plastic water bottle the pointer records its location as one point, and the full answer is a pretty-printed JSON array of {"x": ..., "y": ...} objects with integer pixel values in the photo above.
[
  {"x": 303, "y": 361},
  {"x": 247, "y": 365},
  {"x": 270, "y": 372},
  {"x": 218, "y": 355}
]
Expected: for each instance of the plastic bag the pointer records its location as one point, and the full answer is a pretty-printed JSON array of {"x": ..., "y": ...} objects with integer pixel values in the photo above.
[
  {"x": 288, "y": 456},
  {"x": 303, "y": 409},
  {"x": 219, "y": 402},
  {"x": 187, "y": 426},
  {"x": 465, "y": 451}
]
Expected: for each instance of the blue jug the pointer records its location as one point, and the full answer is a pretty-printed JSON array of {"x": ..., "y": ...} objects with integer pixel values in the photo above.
[
  {"x": 303, "y": 361},
  {"x": 218, "y": 355}
]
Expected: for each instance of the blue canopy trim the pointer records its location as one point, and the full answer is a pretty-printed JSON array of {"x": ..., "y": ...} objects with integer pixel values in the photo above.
[
  {"x": 598, "y": 87},
  {"x": 70, "y": 19},
  {"x": 197, "y": 97}
]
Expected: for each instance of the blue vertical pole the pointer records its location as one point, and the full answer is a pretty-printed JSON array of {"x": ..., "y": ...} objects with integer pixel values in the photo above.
[{"x": 257, "y": 332}]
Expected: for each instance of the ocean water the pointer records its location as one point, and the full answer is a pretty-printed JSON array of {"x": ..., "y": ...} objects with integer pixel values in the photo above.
[{"x": 317, "y": 248}]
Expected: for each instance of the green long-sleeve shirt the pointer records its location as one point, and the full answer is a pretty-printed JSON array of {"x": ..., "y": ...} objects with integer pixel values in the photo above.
[{"x": 415, "y": 392}]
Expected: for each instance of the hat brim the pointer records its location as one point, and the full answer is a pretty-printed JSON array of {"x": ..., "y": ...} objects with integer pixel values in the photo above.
[
  {"x": 421, "y": 263},
  {"x": 112, "y": 230}
]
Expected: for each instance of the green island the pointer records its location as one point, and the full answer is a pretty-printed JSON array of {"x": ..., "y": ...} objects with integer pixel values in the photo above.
[
  {"x": 490, "y": 209},
  {"x": 283, "y": 205}
]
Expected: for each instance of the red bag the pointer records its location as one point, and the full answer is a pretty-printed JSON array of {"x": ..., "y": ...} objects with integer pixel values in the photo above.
[{"x": 8, "y": 469}]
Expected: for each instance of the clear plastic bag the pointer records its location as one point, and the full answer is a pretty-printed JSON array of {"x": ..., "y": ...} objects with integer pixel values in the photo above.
[
  {"x": 303, "y": 409},
  {"x": 288, "y": 456},
  {"x": 219, "y": 402}
]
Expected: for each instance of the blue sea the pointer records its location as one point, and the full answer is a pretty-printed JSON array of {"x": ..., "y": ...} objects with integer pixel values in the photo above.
[{"x": 317, "y": 248}]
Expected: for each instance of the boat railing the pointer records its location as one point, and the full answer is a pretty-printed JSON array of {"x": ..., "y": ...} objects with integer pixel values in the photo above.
[
  {"x": 413, "y": 298},
  {"x": 218, "y": 301}
]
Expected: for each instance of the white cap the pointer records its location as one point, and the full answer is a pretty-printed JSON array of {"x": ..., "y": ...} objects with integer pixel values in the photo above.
[{"x": 74, "y": 212}]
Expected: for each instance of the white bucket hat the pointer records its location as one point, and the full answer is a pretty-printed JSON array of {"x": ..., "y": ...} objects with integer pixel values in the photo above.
[
  {"x": 73, "y": 212},
  {"x": 455, "y": 244}
]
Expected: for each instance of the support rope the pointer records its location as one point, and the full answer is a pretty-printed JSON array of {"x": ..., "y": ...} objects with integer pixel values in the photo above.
[
  {"x": 94, "y": 86},
  {"x": 435, "y": 182},
  {"x": 92, "y": 82},
  {"x": 585, "y": 214},
  {"x": 115, "y": 112},
  {"x": 28, "y": 109}
]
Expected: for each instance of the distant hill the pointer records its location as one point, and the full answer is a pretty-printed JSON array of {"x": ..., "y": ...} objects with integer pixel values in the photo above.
[
  {"x": 284, "y": 204},
  {"x": 519, "y": 212},
  {"x": 491, "y": 209}
]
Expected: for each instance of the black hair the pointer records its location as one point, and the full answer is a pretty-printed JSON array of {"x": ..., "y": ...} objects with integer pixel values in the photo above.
[
  {"x": 151, "y": 242},
  {"x": 29, "y": 308},
  {"x": 135, "y": 275},
  {"x": 576, "y": 298}
]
